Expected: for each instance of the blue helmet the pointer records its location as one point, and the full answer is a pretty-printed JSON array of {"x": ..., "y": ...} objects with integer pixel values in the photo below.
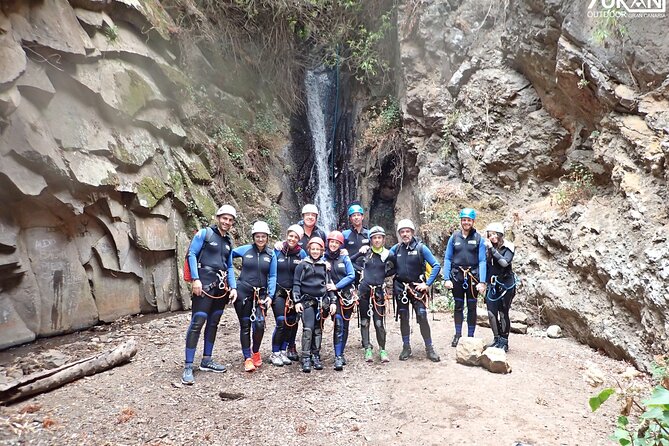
[
  {"x": 468, "y": 213},
  {"x": 355, "y": 208}
]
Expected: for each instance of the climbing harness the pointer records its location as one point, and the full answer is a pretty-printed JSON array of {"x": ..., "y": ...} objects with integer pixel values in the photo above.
[
  {"x": 288, "y": 307},
  {"x": 492, "y": 291},
  {"x": 347, "y": 304},
  {"x": 257, "y": 304},
  {"x": 221, "y": 284}
]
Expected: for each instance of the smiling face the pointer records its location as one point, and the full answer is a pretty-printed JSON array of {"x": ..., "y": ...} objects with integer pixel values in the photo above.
[
  {"x": 260, "y": 239},
  {"x": 309, "y": 219},
  {"x": 225, "y": 222},
  {"x": 315, "y": 251},
  {"x": 333, "y": 245},
  {"x": 356, "y": 219},
  {"x": 466, "y": 223},
  {"x": 292, "y": 238},
  {"x": 406, "y": 234},
  {"x": 494, "y": 237},
  {"x": 377, "y": 240}
]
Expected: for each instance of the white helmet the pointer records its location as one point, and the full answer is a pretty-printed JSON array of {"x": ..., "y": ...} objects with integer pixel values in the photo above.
[
  {"x": 297, "y": 229},
  {"x": 404, "y": 224},
  {"x": 495, "y": 227},
  {"x": 376, "y": 230},
  {"x": 260, "y": 227},
  {"x": 226, "y": 209},
  {"x": 310, "y": 208}
]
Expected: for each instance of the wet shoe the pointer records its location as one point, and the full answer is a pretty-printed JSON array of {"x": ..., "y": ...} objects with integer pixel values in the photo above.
[
  {"x": 257, "y": 360},
  {"x": 306, "y": 364},
  {"x": 494, "y": 342},
  {"x": 316, "y": 359},
  {"x": 384, "y": 356},
  {"x": 455, "y": 341},
  {"x": 406, "y": 352},
  {"x": 275, "y": 359},
  {"x": 212, "y": 366},
  {"x": 292, "y": 354},
  {"x": 431, "y": 354},
  {"x": 284, "y": 358},
  {"x": 339, "y": 363},
  {"x": 248, "y": 365},
  {"x": 369, "y": 355},
  {"x": 187, "y": 376}
]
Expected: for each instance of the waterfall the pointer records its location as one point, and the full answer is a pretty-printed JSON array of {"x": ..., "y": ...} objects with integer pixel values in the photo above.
[{"x": 319, "y": 88}]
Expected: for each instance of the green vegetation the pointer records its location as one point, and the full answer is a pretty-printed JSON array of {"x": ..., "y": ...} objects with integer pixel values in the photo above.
[
  {"x": 111, "y": 33},
  {"x": 575, "y": 187},
  {"x": 282, "y": 37},
  {"x": 641, "y": 423},
  {"x": 608, "y": 24},
  {"x": 385, "y": 117},
  {"x": 447, "y": 131},
  {"x": 151, "y": 190}
]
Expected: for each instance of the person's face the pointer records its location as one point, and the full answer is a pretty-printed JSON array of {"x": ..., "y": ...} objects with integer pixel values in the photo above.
[
  {"x": 466, "y": 223},
  {"x": 493, "y": 237},
  {"x": 333, "y": 245},
  {"x": 260, "y": 239},
  {"x": 377, "y": 240},
  {"x": 406, "y": 234},
  {"x": 292, "y": 239},
  {"x": 315, "y": 251},
  {"x": 225, "y": 222},
  {"x": 356, "y": 219},
  {"x": 309, "y": 219}
]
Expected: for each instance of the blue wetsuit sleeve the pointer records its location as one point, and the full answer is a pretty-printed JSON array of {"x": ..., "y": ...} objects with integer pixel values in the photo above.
[
  {"x": 482, "y": 261},
  {"x": 346, "y": 233},
  {"x": 193, "y": 251},
  {"x": 237, "y": 252},
  {"x": 350, "y": 275},
  {"x": 271, "y": 280},
  {"x": 434, "y": 263},
  {"x": 393, "y": 250},
  {"x": 448, "y": 256},
  {"x": 303, "y": 254}
]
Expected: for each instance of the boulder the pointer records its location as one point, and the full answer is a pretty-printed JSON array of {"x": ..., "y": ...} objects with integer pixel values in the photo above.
[
  {"x": 594, "y": 376},
  {"x": 26, "y": 180},
  {"x": 469, "y": 350},
  {"x": 517, "y": 327},
  {"x": 35, "y": 85},
  {"x": 9, "y": 101},
  {"x": 494, "y": 359},
  {"x": 13, "y": 59},
  {"x": 13, "y": 329},
  {"x": 554, "y": 332},
  {"x": 91, "y": 170}
]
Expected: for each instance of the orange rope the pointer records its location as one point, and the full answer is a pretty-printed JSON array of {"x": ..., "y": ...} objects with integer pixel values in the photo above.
[{"x": 288, "y": 307}]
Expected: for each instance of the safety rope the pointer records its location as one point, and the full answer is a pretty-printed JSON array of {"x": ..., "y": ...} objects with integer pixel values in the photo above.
[
  {"x": 221, "y": 284},
  {"x": 466, "y": 273},
  {"x": 347, "y": 304},
  {"x": 257, "y": 304},
  {"x": 288, "y": 307},
  {"x": 492, "y": 291}
]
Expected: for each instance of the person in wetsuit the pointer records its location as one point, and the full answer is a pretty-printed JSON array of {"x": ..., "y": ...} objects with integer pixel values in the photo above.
[{"x": 357, "y": 235}]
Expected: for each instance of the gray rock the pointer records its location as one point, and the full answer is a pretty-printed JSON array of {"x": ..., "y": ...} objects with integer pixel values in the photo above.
[
  {"x": 554, "y": 332},
  {"x": 13, "y": 59},
  {"x": 153, "y": 234},
  {"x": 9, "y": 101},
  {"x": 116, "y": 295},
  {"x": 469, "y": 350},
  {"x": 26, "y": 181},
  {"x": 12, "y": 326},
  {"x": 35, "y": 84},
  {"x": 91, "y": 170},
  {"x": 494, "y": 360}
]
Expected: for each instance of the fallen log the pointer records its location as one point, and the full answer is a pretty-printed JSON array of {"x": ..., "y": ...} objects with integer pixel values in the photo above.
[{"x": 48, "y": 380}]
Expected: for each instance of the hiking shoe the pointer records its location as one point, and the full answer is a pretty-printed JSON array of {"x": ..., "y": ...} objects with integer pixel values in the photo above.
[
  {"x": 384, "y": 356},
  {"x": 210, "y": 365},
  {"x": 455, "y": 341},
  {"x": 316, "y": 359},
  {"x": 368, "y": 355},
  {"x": 406, "y": 352},
  {"x": 503, "y": 344},
  {"x": 431, "y": 354},
  {"x": 187, "y": 376},
  {"x": 292, "y": 354},
  {"x": 275, "y": 359},
  {"x": 284, "y": 358},
  {"x": 339, "y": 363},
  {"x": 494, "y": 342},
  {"x": 343, "y": 359},
  {"x": 248, "y": 365},
  {"x": 306, "y": 364},
  {"x": 257, "y": 360}
]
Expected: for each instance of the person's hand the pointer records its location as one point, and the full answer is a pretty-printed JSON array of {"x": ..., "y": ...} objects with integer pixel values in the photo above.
[
  {"x": 448, "y": 285},
  {"x": 299, "y": 308},
  {"x": 343, "y": 252},
  {"x": 232, "y": 296},
  {"x": 487, "y": 243},
  {"x": 197, "y": 287},
  {"x": 364, "y": 249},
  {"x": 480, "y": 287},
  {"x": 333, "y": 308},
  {"x": 420, "y": 286},
  {"x": 278, "y": 245},
  {"x": 332, "y": 287}
]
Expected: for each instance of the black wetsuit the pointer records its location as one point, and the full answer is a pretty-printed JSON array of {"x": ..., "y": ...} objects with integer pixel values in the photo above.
[{"x": 501, "y": 288}]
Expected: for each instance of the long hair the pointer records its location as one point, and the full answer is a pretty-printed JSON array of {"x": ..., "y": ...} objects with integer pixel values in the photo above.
[{"x": 498, "y": 246}]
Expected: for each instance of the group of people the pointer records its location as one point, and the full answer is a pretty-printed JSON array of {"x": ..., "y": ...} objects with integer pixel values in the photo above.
[{"x": 312, "y": 276}]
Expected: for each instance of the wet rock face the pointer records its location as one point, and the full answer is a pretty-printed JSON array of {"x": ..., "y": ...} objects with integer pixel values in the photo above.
[
  {"x": 500, "y": 104},
  {"x": 103, "y": 172}
]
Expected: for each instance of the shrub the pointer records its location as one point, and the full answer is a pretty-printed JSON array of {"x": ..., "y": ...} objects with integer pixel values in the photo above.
[{"x": 575, "y": 187}]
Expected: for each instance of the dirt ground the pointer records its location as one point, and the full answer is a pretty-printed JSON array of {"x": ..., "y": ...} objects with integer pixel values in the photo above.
[{"x": 544, "y": 401}]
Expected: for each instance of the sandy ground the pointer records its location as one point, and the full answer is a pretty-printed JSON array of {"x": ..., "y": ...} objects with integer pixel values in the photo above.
[{"x": 542, "y": 402}]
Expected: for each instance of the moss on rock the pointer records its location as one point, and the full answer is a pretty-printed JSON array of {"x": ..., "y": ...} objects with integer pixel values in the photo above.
[{"x": 150, "y": 191}]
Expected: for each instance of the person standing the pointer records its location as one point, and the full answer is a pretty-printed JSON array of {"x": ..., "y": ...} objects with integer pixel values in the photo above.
[
  {"x": 411, "y": 286},
  {"x": 208, "y": 261},
  {"x": 256, "y": 287},
  {"x": 356, "y": 236},
  {"x": 343, "y": 275},
  {"x": 465, "y": 271},
  {"x": 309, "y": 225},
  {"x": 287, "y": 257},
  {"x": 376, "y": 263},
  {"x": 501, "y": 284},
  {"x": 313, "y": 301}
]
